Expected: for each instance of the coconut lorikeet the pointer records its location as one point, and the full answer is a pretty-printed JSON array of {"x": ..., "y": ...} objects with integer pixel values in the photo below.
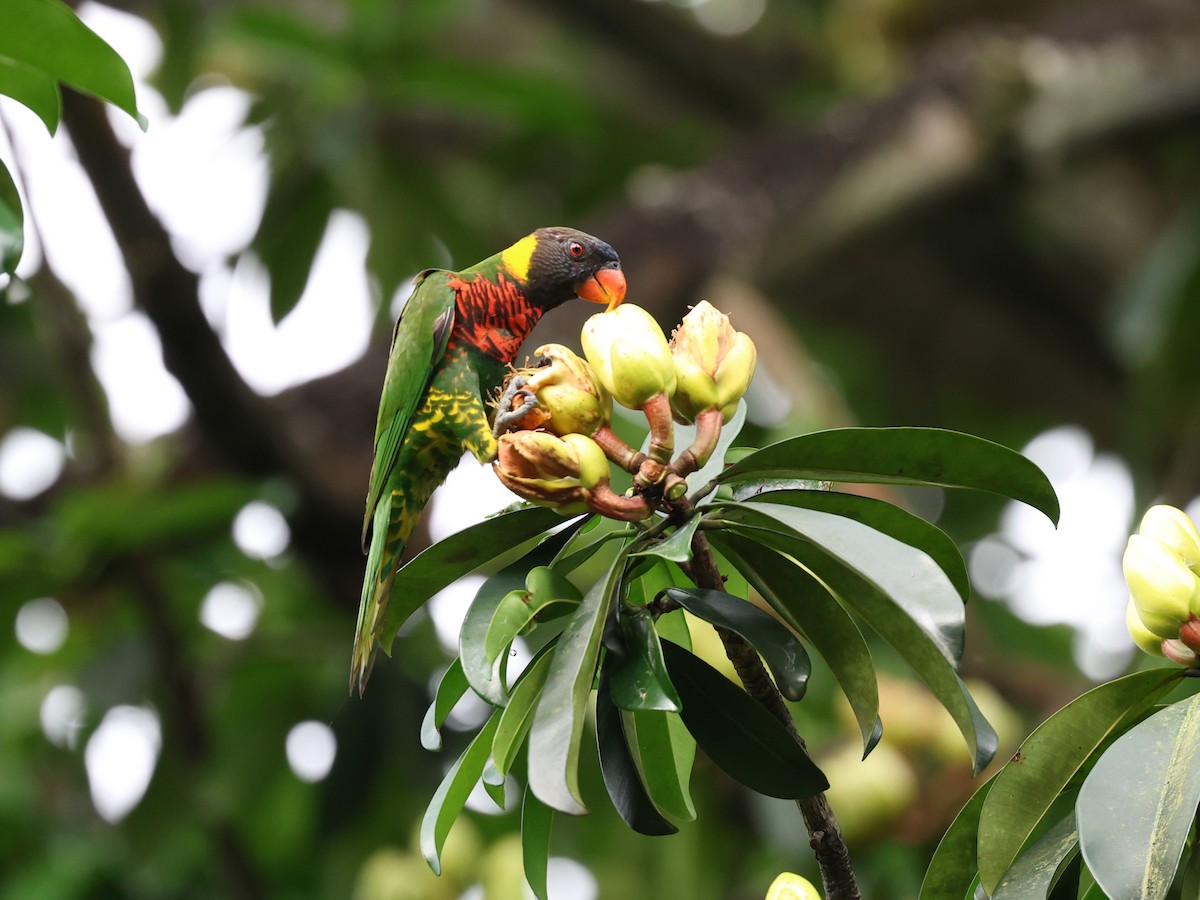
[{"x": 452, "y": 345}]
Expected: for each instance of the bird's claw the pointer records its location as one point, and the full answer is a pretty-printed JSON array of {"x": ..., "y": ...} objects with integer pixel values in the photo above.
[{"x": 508, "y": 417}]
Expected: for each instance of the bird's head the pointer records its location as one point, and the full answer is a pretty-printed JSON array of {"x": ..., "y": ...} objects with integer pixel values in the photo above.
[{"x": 556, "y": 264}]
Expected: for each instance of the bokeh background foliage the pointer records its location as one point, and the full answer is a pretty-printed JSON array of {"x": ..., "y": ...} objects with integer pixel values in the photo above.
[{"x": 973, "y": 215}]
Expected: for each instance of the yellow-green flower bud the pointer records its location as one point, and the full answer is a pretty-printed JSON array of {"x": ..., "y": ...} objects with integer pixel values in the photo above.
[
  {"x": 713, "y": 364},
  {"x": 1142, "y": 636},
  {"x": 1173, "y": 528},
  {"x": 548, "y": 470},
  {"x": 789, "y": 886},
  {"x": 569, "y": 392},
  {"x": 629, "y": 354},
  {"x": 1160, "y": 584}
]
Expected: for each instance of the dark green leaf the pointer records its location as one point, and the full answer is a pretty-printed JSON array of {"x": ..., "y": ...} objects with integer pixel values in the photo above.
[
  {"x": 664, "y": 752},
  {"x": 621, "y": 778},
  {"x": 451, "y": 795},
  {"x": 456, "y": 556},
  {"x": 638, "y": 676},
  {"x": 518, "y": 715},
  {"x": 449, "y": 691},
  {"x": 1138, "y": 803},
  {"x": 953, "y": 867},
  {"x": 738, "y": 733},
  {"x": 12, "y": 219},
  {"x": 779, "y": 648},
  {"x": 898, "y": 589},
  {"x": 808, "y": 606},
  {"x": 47, "y": 35},
  {"x": 925, "y": 456},
  {"x": 536, "y": 821},
  {"x": 1033, "y": 874},
  {"x": 557, "y": 729},
  {"x": 891, "y": 520},
  {"x": 588, "y": 541},
  {"x": 1049, "y": 758},
  {"x": 677, "y": 546},
  {"x": 32, "y": 88},
  {"x": 907, "y": 575}
]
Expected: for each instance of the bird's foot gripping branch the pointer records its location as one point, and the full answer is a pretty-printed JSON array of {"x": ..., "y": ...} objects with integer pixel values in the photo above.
[{"x": 761, "y": 548}]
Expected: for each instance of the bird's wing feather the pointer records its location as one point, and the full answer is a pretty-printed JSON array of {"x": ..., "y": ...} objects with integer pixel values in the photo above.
[{"x": 418, "y": 344}]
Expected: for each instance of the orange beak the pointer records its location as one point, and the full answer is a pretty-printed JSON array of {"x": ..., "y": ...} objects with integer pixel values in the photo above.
[{"x": 606, "y": 286}]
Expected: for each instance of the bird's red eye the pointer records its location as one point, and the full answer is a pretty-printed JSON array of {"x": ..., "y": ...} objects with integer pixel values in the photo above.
[{"x": 575, "y": 249}]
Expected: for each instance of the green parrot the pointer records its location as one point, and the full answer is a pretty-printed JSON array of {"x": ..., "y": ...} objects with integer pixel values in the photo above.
[{"x": 455, "y": 340}]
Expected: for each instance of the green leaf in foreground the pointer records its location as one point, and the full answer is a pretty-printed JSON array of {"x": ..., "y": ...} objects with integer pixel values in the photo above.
[
  {"x": 779, "y": 648},
  {"x": 952, "y": 868},
  {"x": 48, "y": 36},
  {"x": 1049, "y": 758},
  {"x": 1034, "y": 872},
  {"x": 738, "y": 733},
  {"x": 518, "y": 715},
  {"x": 664, "y": 752},
  {"x": 808, "y": 606},
  {"x": 921, "y": 456},
  {"x": 621, "y": 777},
  {"x": 456, "y": 556},
  {"x": 449, "y": 691},
  {"x": 33, "y": 89},
  {"x": 638, "y": 677},
  {"x": 889, "y": 519},
  {"x": 1151, "y": 775},
  {"x": 557, "y": 730},
  {"x": 451, "y": 795},
  {"x": 537, "y": 819}
]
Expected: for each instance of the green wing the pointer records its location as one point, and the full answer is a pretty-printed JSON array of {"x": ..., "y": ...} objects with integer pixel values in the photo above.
[{"x": 418, "y": 344}]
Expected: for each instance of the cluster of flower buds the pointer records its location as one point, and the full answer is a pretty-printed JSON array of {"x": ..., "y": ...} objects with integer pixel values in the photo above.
[
  {"x": 1160, "y": 564},
  {"x": 560, "y": 457}
]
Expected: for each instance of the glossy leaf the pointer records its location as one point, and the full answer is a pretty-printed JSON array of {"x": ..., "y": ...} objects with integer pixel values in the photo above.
[
  {"x": 808, "y": 606},
  {"x": 898, "y": 589},
  {"x": 450, "y": 690},
  {"x": 1033, "y": 874},
  {"x": 537, "y": 820},
  {"x": 1138, "y": 802},
  {"x": 889, "y": 519},
  {"x": 1049, "y": 758},
  {"x": 12, "y": 219},
  {"x": 485, "y": 673},
  {"x": 738, "y": 734},
  {"x": 922, "y": 456},
  {"x": 779, "y": 648},
  {"x": 557, "y": 729},
  {"x": 621, "y": 777},
  {"x": 953, "y": 867},
  {"x": 33, "y": 89},
  {"x": 518, "y": 714},
  {"x": 677, "y": 546},
  {"x": 451, "y": 795},
  {"x": 664, "y": 752},
  {"x": 47, "y": 35},
  {"x": 456, "y": 556},
  {"x": 907, "y": 575},
  {"x": 638, "y": 677}
]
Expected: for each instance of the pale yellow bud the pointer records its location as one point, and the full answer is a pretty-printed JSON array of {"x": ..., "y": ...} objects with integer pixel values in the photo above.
[
  {"x": 1173, "y": 528},
  {"x": 629, "y": 354},
  {"x": 713, "y": 364},
  {"x": 1161, "y": 586},
  {"x": 1142, "y": 636}
]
